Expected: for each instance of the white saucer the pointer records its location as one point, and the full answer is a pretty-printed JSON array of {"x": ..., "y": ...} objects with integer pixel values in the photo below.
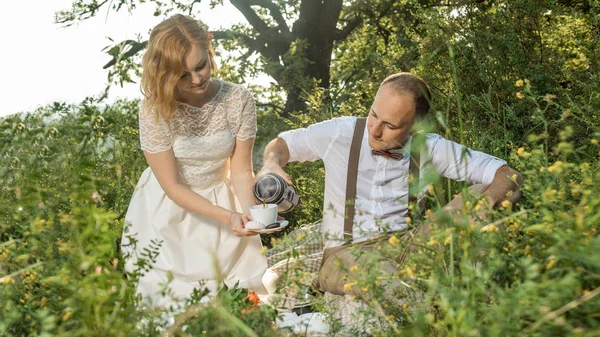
[{"x": 282, "y": 225}]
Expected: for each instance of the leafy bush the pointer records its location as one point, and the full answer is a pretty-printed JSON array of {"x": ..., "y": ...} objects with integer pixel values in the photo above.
[{"x": 517, "y": 79}]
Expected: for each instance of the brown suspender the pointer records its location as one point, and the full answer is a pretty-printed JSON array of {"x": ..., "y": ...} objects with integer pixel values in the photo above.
[
  {"x": 359, "y": 129},
  {"x": 353, "y": 174},
  {"x": 414, "y": 171}
]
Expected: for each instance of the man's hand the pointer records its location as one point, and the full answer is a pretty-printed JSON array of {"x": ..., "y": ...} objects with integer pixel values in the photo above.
[
  {"x": 274, "y": 159},
  {"x": 505, "y": 186},
  {"x": 274, "y": 168}
]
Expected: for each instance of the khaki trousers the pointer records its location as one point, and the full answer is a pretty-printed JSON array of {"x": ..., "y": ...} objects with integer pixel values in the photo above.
[{"x": 338, "y": 261}]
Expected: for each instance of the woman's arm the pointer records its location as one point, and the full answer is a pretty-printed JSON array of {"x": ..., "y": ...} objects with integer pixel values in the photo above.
[
  {"x": 165, "y": 170},
  {"x": 242, "y": 174}
]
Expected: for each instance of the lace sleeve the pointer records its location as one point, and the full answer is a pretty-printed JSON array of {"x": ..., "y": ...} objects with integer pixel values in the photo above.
[
  {"x": 155, "y": 134},
  {"x": 247, "y": 117}
]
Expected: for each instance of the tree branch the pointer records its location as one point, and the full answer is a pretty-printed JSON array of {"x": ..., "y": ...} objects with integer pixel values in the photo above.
[
  {"x": 136, "y": 47},
  {"x": 274, "y": 10},
  {"x": 81, "y": 12},
  {"x": 192, "y": 6},
  {"x": 255, "y": 21},
  {"x": 342, "y": 34}
]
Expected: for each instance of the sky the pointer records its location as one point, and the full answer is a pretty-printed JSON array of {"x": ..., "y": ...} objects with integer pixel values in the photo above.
[{"x": 42, "y": 62}]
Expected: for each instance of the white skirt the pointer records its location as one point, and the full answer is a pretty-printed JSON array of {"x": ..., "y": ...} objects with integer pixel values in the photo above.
[{"x": 194, "y": 249}]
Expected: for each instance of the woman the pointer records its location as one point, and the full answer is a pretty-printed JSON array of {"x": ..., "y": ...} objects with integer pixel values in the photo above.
[{"x": 195, "y": 132}]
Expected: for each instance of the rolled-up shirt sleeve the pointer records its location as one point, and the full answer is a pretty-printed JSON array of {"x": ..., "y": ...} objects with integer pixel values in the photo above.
[
  {"x": 311, "y": 143},
  {"x": 460, "y": 163}
]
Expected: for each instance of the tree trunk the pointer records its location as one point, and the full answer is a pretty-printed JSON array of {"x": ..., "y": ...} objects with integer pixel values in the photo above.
[{"x": 317, "y": 25}]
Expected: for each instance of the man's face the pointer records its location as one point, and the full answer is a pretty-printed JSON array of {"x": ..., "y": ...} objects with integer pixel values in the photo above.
[{"x": 391, "y": 118}]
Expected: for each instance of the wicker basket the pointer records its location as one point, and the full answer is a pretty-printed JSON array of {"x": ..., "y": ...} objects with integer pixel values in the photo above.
[{"x": 297, "y": 262}]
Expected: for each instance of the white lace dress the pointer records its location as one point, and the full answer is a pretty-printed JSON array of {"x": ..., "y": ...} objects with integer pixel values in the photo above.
[{"x": 194, "y": 248}]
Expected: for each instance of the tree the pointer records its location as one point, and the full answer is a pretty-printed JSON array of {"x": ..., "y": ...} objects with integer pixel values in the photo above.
[{"x": 294, "y": 38}]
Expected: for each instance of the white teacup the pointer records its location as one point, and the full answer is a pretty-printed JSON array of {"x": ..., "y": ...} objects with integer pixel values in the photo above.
[{"x": 265, "y": 215}]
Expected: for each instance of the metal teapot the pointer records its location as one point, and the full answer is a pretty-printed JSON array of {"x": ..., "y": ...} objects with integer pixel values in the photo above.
[{"x": 270, "y": 188}]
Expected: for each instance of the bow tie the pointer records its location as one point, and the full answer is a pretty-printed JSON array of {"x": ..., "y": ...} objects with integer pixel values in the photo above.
[{"x": 387, "y": 154}]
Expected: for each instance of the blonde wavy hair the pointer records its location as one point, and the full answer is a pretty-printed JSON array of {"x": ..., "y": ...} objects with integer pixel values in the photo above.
[{"x": 163, "y": 62}]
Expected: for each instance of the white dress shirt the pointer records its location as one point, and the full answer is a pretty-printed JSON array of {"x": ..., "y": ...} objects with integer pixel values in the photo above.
[{"x": 382, "y": 183}]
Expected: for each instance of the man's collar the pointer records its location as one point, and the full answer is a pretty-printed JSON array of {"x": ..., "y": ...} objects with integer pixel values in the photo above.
[{"x": 405, "y": 149}]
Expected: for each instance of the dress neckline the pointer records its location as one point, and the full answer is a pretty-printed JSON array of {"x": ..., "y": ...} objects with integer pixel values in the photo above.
[{"x": 212, "y": 100}]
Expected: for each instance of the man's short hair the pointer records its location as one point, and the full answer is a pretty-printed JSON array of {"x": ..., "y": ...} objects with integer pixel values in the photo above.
[{"x": 406, "y": 83}]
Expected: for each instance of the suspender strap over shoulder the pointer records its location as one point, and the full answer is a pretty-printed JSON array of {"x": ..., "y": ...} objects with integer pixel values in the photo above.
[
  {"x": 352, "y": 174},
  {"x": 414, "y": 172}
]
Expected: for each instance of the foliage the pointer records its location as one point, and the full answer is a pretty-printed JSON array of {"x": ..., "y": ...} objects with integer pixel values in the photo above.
[
  {"x": 517, "y": 79},
  {"x": 67, "y": 175}
]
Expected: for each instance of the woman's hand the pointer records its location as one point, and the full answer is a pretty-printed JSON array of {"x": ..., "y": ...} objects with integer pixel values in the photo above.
[{"x": 237, "y": 222}]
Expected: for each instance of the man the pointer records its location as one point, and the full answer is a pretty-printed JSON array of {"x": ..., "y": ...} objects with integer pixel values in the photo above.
[{"x": 381, "y": 202}]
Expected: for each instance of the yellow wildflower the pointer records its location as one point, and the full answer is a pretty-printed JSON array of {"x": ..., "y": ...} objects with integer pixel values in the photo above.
[
  {"x": 557, "y": 168},
  {"x": 506, "y": 204},
  {"x": 394, "y": 241},
  {"x": 447, "y": 240},
  {"x": 579, "y": 220},
  {"x": 522, "y": 153},
  {"x": 549, "y": 98},
  {"x": 39, "y": 223},
  {"x": 67, "y": 315},
  {"x": 584, "y": 166},
  {"x": 408, "y": 220},
  {"x": 430, "y": 189},
  {"x": 490, "y": 228},
  {"x": 566, "y": 114},
  {"x": 428, "y": 213},
  {"x": 550, "y": 195},
  {"x": 348, "y": 286},
  {"x": 520, "y": 95},
  {"x": 7, "y": 280},
  {"x": 354, "y": 268},
  {"x": 405, "y": 308},
  {"x": 409, "y": 272},
  {"x": 551, "y": 263},
  {"x": 564, "y": 147},
  {"x": 519, "y": 83}
]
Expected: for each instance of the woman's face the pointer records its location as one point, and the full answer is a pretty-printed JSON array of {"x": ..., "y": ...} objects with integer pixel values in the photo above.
[{"x": 196, "y": 72}]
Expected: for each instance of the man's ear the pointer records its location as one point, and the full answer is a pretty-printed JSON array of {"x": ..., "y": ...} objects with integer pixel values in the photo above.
[
  {"x": 417, "y": 126},
  {"x": 422, "y": 124}
]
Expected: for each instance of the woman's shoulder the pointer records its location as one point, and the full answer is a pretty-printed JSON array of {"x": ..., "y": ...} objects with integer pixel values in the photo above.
[
  {"x": 235, "y": 90},
  {"x": 147, "y": 112}
]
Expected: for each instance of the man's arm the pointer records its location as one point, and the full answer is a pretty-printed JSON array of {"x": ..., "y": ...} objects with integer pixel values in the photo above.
[
  {"x": 276, "y": 155},
  {"x": 300, "y": 145},
  {"x": 505, "y": 186}
]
